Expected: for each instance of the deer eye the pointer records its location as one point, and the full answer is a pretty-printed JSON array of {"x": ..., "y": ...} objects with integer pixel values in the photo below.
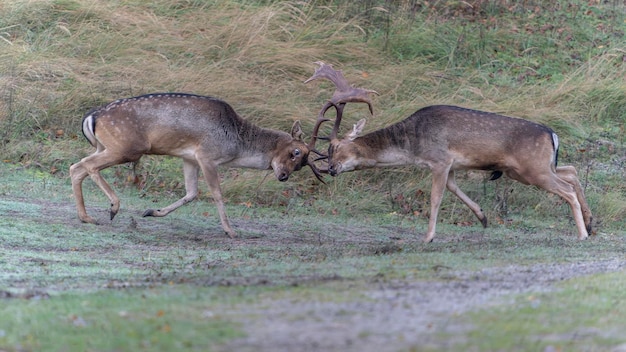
[{"x": 296, "y": 153}]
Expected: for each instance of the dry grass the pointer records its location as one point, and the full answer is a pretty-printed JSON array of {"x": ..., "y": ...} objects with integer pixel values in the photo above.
[
  {"x": 232, "y": 51},
  {"x": 64, "y": 57},
  {"x": 59, "y": 58}
]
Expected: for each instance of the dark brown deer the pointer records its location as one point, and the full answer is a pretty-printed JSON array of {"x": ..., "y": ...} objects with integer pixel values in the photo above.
[
  {"x": 205, "y": 132},
  {"x": 449, "y": 138}
]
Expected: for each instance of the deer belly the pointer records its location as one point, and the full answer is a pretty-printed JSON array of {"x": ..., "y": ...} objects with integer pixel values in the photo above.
[
  {"x": 486, "y": 161},
  {"x": 182, "y": 150}
]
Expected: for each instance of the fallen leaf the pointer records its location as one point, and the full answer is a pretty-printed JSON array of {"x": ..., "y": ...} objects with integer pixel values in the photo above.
[{"x": 78, "y": 321}]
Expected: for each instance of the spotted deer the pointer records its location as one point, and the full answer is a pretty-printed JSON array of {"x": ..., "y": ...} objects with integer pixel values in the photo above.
[
  {"x": 446, "y": 139},
  {"x": 205, "y": 132}
]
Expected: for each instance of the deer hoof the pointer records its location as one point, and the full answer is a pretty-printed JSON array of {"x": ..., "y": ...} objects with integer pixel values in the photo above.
[
  {"x": 588, "y": 226},
  {"x": 149, "y": 212},
  {"x": 88, "y": 220},
  {"x": 484, "y": 221}
]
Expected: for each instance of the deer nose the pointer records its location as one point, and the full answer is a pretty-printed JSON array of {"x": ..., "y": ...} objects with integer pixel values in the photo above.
[
  {"x": 283, "y": 176},
  {"x": 332, "y": 170}
]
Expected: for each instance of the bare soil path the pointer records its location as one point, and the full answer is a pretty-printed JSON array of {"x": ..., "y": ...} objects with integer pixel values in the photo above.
[{"x": 396, "y": 316}]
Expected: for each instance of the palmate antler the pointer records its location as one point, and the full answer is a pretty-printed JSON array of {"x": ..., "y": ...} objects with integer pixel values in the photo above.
[{"x": 344, "y": 93}]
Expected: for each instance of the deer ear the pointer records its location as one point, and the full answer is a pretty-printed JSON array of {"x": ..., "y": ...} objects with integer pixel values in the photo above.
[
  {"x": 296, "y": 131},
  {"x": 356, "y": 129}
]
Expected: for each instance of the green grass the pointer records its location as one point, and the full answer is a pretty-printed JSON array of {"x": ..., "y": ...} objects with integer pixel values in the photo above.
[
  {"x": 582, "y": 315},
  {"x": 180, "y": 283},
  {"x": 158, "y": 319}
]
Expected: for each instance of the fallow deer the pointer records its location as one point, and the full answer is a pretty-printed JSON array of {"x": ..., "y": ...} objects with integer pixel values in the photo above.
[
  {"x": 205, "y": 132},
  {"x": 449, "y": 138}
]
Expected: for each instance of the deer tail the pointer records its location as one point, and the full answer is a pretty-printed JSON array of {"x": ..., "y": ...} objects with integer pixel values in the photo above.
[
  {"x": 89, "y": 128},
  {"x": 555, "y": 144}
]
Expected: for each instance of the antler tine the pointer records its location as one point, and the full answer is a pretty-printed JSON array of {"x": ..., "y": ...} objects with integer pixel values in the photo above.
[
  {"x": 318, "y": 173},
  {"x": 339, "y": 110},
  {"x": 354, "y": 95},
  {"x": 327, "y": 71},
  {"x": 320, "y": 120},
  {"x": 314, "y": 137}
]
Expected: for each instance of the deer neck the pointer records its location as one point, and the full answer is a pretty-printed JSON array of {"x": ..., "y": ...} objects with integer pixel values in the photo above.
[
  {"x": 386, "y": 147},
  {"x": 258, "y": 146}
]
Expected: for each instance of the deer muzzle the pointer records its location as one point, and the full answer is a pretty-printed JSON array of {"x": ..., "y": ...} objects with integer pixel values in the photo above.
[
  {"x": 333, "y": 169},
  {"x": 282, "y": 176}
]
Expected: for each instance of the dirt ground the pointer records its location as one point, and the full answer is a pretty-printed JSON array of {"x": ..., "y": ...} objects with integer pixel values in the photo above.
[
  {"x": 393, "y": 315},
  {"x": 400, "y": 315}
]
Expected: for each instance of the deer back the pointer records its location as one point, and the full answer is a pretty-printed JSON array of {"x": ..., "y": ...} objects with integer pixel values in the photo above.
[
  {"x": 179, "y": 125},
  {"x": 473, "y": 139}
]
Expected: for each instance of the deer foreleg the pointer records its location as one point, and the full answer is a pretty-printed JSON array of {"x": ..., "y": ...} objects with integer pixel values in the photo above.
[
  {"x": 213, "y": 181},
  {"x": 104, "y": 186},
  {"x": 190, "y": 172},
  {"x": 452, "y": 187},
  {"x": 440, "y": 178}
]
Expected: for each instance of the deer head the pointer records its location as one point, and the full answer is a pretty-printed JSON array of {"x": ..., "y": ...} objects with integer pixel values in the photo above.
[
  {"x": 344, "y": 155},
  {"x": 290, "y": 155}
]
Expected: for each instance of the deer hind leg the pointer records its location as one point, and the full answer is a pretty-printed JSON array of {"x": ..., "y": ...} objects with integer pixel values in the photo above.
[
  {"x": 553, "y": 183},
  {"x": 440, "y": 179},
  {"x": 190, "y": 172},
  {"x": 77, "y": 175},
  {"x": 452, "y": 187},
  {"x": 213, "y": 181},
  {"x": 569, "y": 174},
  {"x": 91, "y": 166}
]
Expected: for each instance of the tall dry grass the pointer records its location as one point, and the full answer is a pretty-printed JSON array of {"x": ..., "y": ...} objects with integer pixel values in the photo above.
[
  {"x": 59, "y": 58},
  {"x": 78, "y": 55}
]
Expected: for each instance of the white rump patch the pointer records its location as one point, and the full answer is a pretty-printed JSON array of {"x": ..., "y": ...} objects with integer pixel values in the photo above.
[
  {"x": 89, "y": 130},
  {"x": 555, "y": 140}
]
